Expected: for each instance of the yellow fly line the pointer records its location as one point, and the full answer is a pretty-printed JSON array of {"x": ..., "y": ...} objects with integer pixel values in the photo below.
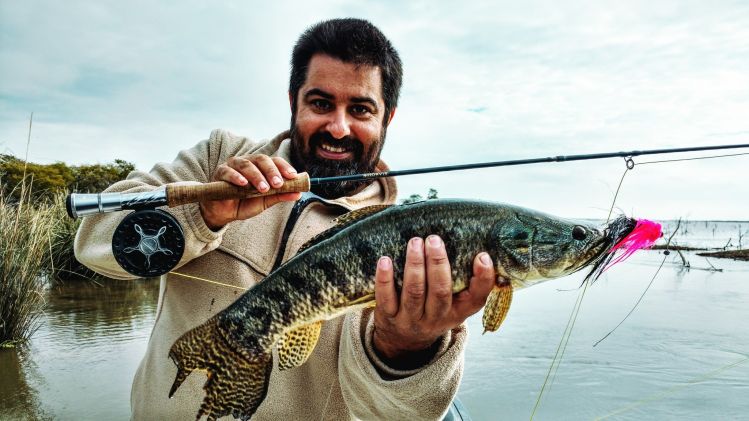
[{"x": 209, "y": 281}]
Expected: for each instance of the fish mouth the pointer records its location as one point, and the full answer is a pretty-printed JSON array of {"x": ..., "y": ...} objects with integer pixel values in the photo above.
[{"x": 596, "y": 251}]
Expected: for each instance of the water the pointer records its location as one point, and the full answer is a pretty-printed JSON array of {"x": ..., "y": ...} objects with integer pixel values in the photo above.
[
  {"x": 80, "y": 363},
  {"x": 657, "y": 365}
]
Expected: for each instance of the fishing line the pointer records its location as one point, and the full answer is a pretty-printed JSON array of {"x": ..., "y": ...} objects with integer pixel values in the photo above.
[
  {"x": 560, "y": 348},
  {"x": 665, "y": 255},
  {"x": 567, "y": 333},
  {"x": 556, "y": 361},
  {"x": 629, "y": 162},
  {"x": 673, "y": 389},
  {"x": 209, "y": 281},
  {"x": 573, "y": 319},
  {"x": 691, "y": 159}
]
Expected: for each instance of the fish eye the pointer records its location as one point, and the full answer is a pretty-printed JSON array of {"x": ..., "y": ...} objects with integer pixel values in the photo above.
[{"x": 579, "y": 232}]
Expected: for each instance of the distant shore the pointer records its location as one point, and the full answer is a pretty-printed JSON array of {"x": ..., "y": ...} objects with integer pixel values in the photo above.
[
  {"x": 728, "y": 254},
  {"x": 724, "y": 254}
]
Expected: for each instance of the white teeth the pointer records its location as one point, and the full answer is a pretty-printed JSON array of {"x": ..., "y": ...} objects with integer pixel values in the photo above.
[{"x": 332, "y": 148}]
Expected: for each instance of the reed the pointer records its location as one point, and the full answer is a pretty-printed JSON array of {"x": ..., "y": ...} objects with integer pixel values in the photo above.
[
  {"x": 27, "y": 232},
  {"x": 65, "y": 266}
]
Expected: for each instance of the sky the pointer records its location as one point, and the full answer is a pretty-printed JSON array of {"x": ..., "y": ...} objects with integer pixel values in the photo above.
[{"x": 483, "y": 81}]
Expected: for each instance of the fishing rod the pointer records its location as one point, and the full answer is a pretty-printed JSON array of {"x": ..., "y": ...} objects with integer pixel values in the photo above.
[
  {"x": 82, "y": 204},
  {"x": 158, "y": 238}
]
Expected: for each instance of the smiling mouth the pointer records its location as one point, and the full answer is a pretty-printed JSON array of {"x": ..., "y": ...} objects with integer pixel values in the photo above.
[{"x": 328, "y": 151}]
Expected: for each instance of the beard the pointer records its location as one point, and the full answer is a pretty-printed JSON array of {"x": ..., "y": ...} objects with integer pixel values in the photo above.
[{"x": 303, "y": 157}]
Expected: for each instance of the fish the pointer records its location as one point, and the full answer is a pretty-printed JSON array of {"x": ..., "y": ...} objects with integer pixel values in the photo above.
[{"x": 334, "y": 273}]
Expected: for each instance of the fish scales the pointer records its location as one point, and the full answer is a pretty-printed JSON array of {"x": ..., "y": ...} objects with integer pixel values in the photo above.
[
  {"x": 336, "y": 275},
  {"x": 324, "y": 279}
]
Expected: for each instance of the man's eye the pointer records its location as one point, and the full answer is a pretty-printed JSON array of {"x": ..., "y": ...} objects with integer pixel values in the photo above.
[
  {"x": 359, "y": 110},
  {"x": 320, "y": 104}
]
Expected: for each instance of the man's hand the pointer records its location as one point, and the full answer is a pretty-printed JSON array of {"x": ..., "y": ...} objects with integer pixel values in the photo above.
[
  {"x": 263, "y": 172},
  {"x": 426, "y": 308}
]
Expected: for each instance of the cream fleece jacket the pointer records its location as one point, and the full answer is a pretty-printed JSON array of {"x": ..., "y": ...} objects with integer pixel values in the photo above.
[{"x": 343, "y": 378}]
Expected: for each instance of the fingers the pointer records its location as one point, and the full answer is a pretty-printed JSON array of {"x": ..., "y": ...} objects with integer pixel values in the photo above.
[
  {"x": 439, "y": 280},
  {"x": 226, "y": 173},
  {"x": 385, "y": 295},
  {"x": 471, "y": 300},
  {"x": 414, "y": 282},
  {"x": 286, "y": 169},
  {"x": 247, "y": 168},
  {"x": 261, "y": 171}
]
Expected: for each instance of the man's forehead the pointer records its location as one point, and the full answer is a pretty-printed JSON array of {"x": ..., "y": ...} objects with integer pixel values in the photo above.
[{"x": 342, "y": 79}]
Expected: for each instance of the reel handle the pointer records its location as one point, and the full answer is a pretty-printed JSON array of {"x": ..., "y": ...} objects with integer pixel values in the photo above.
[{"x": 221, "y": 190}]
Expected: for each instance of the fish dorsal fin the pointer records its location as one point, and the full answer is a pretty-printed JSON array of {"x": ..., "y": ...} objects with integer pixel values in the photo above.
[
  {"x": 497, "y": 306},
  {"x": 355, "y": 215},
  {"x": 342, "y": 222},
  {"x": 296, "y": 345}
]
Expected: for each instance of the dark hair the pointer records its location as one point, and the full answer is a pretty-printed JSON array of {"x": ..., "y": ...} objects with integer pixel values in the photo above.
[{"x": 353, "y": 41}]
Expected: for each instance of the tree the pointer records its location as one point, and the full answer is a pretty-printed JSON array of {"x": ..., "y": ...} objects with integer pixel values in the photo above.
[
  {"x": 46, "y": 180},
  {"x": 432, "y": 194}
]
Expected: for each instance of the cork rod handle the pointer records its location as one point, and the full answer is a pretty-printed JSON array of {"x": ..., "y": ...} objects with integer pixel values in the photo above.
[{"x": 221, "y": 190}]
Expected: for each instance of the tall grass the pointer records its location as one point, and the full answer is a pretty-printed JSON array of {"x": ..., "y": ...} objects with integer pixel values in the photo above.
[
  {"x": 65, "y": 266},
  {"x": 27, "y": 232}
]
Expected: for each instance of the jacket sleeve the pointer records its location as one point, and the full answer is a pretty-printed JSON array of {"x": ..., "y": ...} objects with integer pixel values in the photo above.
[
  {"x": 93, "y": 241},
  {"x": 372, "y": 390}
]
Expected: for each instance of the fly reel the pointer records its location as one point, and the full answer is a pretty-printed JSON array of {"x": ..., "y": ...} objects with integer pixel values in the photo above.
[{"x": 148, "y": 243}]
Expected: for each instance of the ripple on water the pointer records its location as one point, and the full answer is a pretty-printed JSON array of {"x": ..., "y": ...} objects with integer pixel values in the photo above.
[{"x": 689, "y": 324}]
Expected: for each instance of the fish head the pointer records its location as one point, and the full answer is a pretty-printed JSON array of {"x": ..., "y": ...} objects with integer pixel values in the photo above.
[{"x": 532, "y": 246}]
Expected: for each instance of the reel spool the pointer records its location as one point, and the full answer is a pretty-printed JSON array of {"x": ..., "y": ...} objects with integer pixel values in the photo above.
[{"x": 148, "y": 243}]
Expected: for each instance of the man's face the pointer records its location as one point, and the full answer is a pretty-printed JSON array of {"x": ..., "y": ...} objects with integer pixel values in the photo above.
[{"x": 338, "y": 128}]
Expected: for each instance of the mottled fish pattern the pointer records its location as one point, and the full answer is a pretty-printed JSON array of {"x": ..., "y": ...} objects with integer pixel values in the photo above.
[{"x": 334, "y": 273}]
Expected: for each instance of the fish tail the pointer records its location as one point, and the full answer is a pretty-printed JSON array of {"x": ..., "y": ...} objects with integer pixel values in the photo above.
[{"x": 237, "y": 383}]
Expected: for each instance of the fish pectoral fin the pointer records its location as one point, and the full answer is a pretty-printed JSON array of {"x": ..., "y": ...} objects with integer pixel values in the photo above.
[
  {"x": 236, "y": 384},
  {"x": 296, "y": 345},
  {"x": 497, "y": 306}
]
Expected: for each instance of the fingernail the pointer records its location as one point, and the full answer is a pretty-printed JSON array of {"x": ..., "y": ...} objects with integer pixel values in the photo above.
[
  {"x": 291, "y": 171},
  {"x": 384, "y": 263},
  {"x": 242, "y": 180},
  {"x": 434, "y": 241},
  {"x": 277, "y": 180},
  {"x": 416, "y": 243},
  {"x": 485, "y": 259},
  {"x": 262, "y": 186}
]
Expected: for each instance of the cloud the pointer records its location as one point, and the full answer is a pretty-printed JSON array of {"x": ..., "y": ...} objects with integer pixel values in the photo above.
[{"x": 483, "y": 81}]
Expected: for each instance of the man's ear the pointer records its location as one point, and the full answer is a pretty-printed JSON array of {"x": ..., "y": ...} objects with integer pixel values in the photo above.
[
  {"x": 390, "y": 117},
  {"x": 291, "y": 102}
]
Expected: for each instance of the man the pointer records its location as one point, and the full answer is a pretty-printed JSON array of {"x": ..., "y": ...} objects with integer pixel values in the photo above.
[{"x": 402, "y": 360}]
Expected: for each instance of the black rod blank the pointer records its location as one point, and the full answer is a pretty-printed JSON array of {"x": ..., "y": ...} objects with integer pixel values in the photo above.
[{"x": 559, "y": 158}]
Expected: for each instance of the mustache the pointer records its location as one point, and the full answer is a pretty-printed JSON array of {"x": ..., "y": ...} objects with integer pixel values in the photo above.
[{"x": 349, "y": 143}]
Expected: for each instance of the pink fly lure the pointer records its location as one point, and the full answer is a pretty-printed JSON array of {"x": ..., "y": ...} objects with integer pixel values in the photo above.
[
  {"x": 644, "y": 235},
  {"x": 628, "y": 235}
]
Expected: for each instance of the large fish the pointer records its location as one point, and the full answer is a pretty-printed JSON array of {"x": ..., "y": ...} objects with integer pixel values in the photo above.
[{"x": 334, "y": 273}]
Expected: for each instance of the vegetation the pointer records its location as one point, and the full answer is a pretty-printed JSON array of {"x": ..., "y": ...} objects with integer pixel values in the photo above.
[
  {"x": 24, "y": 262},
  {"x": 36, "y": 235},
  {"x": 51, "y": 179},
  {"x": 432, "y": 194}
]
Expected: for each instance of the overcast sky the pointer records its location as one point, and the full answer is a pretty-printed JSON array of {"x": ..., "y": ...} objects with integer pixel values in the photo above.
[{"x": 484, "y": 81}]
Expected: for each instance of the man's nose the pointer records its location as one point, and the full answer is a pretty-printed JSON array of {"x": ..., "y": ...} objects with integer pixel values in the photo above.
[{"x": 338, "y": 125}]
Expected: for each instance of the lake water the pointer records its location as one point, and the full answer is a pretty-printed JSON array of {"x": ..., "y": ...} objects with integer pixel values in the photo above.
[{"x": 669, "y": 360}]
